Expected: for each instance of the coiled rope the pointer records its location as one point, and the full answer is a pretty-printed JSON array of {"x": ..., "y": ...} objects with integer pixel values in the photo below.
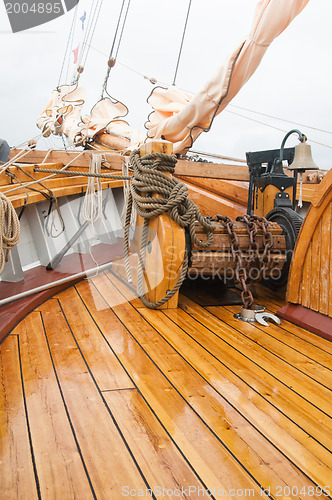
[
  {"x": 149, "y": 177},
  {"x": 9, "y": 229}
]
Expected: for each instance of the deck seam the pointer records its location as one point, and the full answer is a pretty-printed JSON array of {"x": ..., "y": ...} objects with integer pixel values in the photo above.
[
  {"x": 138, "y": 390},
  {"x": 280, "y": 306},
  {"x": 268, "y": 350},
  {"x": 281, "y": 342},
  {"x": 121, "y": 389},
  {"x": 189, "y": 405},
  {"x": 234, "y": 408},
  {"x": 66, "y": 408},
  {"x": 28, "y": 423},
  {"x": 246, "y": 383},
  {"x": 242, "y": 354},
  {"x": 103, "y": 399}
]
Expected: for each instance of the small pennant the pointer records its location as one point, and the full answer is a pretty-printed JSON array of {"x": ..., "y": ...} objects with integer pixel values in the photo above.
[
  {"x": 82, "y": 19},
  {"x": 75, "y": 52}
]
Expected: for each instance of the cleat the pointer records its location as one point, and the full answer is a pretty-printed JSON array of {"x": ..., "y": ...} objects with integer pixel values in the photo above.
[{"x": 262, "y": 317}]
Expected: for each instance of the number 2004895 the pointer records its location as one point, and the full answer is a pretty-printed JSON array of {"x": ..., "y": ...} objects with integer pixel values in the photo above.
[{"x": 35, "y": 8}]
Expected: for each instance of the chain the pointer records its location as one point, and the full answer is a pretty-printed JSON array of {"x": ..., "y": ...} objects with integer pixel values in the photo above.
[
  {"x": 254, "y": 222},
  {"x": 253, "y": 258},
  {"x": 267, "y": 238},
  {"x": 241, "y": 275}
]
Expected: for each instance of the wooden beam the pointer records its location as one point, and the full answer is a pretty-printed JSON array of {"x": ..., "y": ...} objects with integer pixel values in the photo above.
[
  {"x": 236, "y": 191},
  {"x": 211, "y": 204},
  {"x": 37, "y": 156},
  {"x": 214, "y": 170},
  {"x": 18, "y": 200}
]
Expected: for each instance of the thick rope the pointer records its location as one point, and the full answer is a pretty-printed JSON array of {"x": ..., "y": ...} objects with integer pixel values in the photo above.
[
  {"x": 84, "y": 174},
  {"x": 9, "y": 229},
  {"x": 149, "y": 177}
]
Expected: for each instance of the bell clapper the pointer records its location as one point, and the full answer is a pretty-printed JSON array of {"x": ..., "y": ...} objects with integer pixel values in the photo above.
[{"x": 300, "y": 203}]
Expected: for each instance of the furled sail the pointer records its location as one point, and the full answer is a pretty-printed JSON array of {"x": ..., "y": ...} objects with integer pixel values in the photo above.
[
  {"x": 180, "y": 117},
  {"x": 62, "y": 116}
]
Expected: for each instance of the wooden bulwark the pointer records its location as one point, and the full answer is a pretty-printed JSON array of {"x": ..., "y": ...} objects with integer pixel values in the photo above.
[
  {"x": 310, "y": 279},
  {"x": 102, "y": 397},
  {"x": 16, "y": 180}
]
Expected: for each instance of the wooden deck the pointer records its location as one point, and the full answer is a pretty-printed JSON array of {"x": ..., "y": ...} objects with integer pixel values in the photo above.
[{"x": 102, "y": 398}]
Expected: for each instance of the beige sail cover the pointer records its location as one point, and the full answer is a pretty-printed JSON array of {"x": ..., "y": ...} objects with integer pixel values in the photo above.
[
  {"x": 62, "y": 116},
  {"x": 181, "y": 117}
]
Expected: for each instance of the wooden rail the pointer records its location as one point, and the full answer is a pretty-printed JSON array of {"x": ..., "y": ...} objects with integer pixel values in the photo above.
[{"x": 310, "y": 278}]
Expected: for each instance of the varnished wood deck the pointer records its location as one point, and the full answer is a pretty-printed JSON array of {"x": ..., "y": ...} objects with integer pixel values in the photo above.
[{"x": 102, "y": 398}]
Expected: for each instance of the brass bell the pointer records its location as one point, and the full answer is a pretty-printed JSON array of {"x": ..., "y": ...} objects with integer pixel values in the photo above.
[{"x": 303, "y": 158}]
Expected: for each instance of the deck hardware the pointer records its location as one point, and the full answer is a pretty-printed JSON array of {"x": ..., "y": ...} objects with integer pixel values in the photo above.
[
  {"x": 256, "y": 313},
  {"x": 249, "y": 314},
  {"x": 262, "y": 317}
]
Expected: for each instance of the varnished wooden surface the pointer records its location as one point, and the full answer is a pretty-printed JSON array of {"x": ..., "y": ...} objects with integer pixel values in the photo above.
[
  {"x": 100, "y": 396},
  {"x": 310, "y": 278}
]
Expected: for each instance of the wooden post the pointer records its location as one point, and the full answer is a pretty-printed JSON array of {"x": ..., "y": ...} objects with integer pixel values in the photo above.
[{"x": 166, "y": 244}]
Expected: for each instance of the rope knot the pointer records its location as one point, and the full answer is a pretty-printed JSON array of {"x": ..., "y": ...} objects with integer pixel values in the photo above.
[{"x": 149, "y": 178}]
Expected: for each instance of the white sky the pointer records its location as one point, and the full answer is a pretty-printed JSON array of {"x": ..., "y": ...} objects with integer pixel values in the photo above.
[{"x": 293, "y": 82}]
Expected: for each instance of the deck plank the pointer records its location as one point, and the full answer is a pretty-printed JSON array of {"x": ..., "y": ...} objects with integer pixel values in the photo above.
[
  {"x": 262, "y": 460},
  {"x": 275, "y": 344},
  {"x": 307, "y": 340},
  {"x": 297, "y": 380},
  {"x": 215, "y": 467},
  {"x": 108, "y": 461},
  {"x": 155, "y": 452},
  {"x": 303, "y": 349},
  {"x": 313, "y": 463},
  {"x": 58, "y": 462},
  {"x": 16, "y": 468},
  {"x": 105, "y": 367},
  {"x": 297, "y": 408},
  {"x": 124, "y": 396},
  {"x": 274, "y": 425}
]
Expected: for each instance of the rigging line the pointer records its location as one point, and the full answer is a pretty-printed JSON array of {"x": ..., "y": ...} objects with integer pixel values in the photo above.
[
  {"x": 109, "y": 65},
  {"x": 68, "y": 43},
  {"x": 27, "y": 184},
  {"x": 27, "y": 142},
  {"x": 117, "y": 29},
  {"x": 122, "y": 30},
  {"x": 71, "y": 43},
  {"x": 83, "y": 53},
  {"x": 151, "y": 79},
  {"x": 272, "y": 126},
  {"x": 214, "y": 155},
  {"x": 86, "y": 33},
  {"x": 181, "y": 46},
  {"x": 88, "y": 42},
  {"x": 280, "y": 119}
]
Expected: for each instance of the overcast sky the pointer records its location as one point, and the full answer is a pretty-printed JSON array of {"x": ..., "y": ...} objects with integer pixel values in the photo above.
[{"x": 293, "y": 82}]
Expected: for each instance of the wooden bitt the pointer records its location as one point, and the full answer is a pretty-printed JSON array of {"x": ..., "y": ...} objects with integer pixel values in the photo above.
[
  {"x": 166, "y": 246},
  {"x": 163, "y": 263}
]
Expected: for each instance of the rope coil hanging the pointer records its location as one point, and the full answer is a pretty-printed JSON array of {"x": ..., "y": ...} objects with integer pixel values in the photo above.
[
  {"x": 9, "y": 229},
  {"x": 149, "y": 177}
]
